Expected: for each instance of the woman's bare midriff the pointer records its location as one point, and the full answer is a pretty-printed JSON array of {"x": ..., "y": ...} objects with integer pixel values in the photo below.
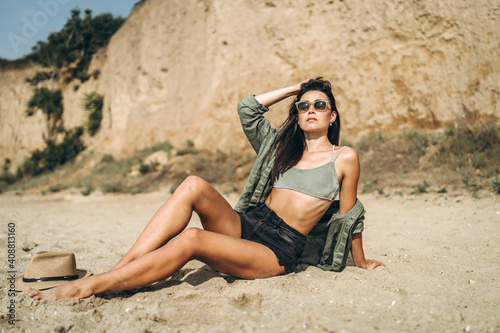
[{"x": 298, "y": 210}]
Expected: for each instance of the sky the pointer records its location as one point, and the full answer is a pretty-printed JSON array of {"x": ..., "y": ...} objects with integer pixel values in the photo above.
[{"x": 25, "y": 22}]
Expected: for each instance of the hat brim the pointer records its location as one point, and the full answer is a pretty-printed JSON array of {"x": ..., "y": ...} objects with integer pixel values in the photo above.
[{"x": 21, "y": 285}]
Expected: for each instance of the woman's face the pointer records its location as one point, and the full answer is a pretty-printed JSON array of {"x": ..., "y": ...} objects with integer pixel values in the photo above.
[{"x": 313, "y": 120}]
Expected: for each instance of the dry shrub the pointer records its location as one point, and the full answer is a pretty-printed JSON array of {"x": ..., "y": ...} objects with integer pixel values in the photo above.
[{"x": 460, "y": 156}]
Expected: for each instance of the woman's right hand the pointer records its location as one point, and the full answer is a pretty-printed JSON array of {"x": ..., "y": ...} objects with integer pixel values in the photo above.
[
  {"x": 269, "y": 98},
  {"x": 298, "y": 86}
]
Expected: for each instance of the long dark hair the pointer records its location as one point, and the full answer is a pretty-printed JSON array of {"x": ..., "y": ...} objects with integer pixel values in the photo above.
[{"x": 290, "y": 143}]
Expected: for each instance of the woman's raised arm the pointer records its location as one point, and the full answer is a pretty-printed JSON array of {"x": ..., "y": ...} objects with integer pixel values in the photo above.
[{"x": 269, "y": 98}]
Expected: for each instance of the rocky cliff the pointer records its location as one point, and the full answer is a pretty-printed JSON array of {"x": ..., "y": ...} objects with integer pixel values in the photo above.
[{"x": 176, "y": 69}]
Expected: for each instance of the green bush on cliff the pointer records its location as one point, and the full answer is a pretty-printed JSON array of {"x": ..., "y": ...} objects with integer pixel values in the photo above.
[
  {"x": 50, "y": 103},
  {"x": 70, "y": 48},
  {"x": 76, "y": 42},
  {"x": 54, "y": 154},
  {"x": 38, "y": 77},
  {"x": 6, "y": 177},
  {"x": 93, "y": 102}
]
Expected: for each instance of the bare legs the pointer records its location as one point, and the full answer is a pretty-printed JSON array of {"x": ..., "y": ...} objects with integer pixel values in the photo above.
[
  {"x": 157, "y": 254},
  {"x": 194, "y": 194}
]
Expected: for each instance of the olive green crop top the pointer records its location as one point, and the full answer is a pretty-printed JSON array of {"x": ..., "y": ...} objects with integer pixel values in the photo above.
[{"x": 320, "y": 182}]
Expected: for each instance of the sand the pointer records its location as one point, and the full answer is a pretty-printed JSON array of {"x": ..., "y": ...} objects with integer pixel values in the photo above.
[{"x": 442, "y": 272}]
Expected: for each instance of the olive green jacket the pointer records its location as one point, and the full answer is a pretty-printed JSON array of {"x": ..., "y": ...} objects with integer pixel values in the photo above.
[{"x": 328, "y": 243}]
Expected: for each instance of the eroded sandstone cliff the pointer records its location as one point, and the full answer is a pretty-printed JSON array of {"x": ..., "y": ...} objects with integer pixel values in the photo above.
[{"x": 176, "y": 69}]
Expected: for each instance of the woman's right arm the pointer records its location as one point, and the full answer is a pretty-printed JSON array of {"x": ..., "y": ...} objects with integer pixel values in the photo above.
[
  {"x": 252, "y": 108},
  {"x": 269, "y": 98}
]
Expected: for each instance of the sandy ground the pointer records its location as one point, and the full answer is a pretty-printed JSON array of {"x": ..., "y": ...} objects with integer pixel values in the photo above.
[{"x": 442, "y": 272}]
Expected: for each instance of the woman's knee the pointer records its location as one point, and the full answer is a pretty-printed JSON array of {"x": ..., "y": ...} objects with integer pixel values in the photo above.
[
  {"x": 193, "y": 184},
  {"x": 190, "y": 239},
  {"x": 198, "y": 188}
]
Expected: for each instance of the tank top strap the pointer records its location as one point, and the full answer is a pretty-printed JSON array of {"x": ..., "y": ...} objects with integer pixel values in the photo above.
[
  {"x": 334, "y": 158},
  {"x": 333, "y": 152}
]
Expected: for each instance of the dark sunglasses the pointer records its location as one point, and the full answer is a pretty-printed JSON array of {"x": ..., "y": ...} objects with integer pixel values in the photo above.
[{"x": 319, "y": 105}]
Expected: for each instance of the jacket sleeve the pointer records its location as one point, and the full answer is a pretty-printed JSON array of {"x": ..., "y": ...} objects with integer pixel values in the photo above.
[
  {"x": 328, "y": 243},
  {"x": 255, "y": 126}
]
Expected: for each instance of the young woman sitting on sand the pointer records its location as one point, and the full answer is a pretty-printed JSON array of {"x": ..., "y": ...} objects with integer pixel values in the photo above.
[{"x": 298, "y": 172}]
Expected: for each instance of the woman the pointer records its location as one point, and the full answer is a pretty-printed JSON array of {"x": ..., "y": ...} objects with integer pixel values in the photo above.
[{"x": 300, "y": 170}]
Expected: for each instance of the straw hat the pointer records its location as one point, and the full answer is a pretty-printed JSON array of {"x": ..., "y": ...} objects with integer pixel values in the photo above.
[{"x": 50, "y": 269}]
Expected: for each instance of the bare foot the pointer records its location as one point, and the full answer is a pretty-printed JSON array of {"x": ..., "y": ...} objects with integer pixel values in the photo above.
[{"x": 69, "y": 290}]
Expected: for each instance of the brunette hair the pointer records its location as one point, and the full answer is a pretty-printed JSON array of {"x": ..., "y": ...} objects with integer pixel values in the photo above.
[{"x": 290, "y": 143}]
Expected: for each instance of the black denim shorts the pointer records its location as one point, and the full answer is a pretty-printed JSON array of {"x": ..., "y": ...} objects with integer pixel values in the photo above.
[{"x": 262, "y": 225}]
